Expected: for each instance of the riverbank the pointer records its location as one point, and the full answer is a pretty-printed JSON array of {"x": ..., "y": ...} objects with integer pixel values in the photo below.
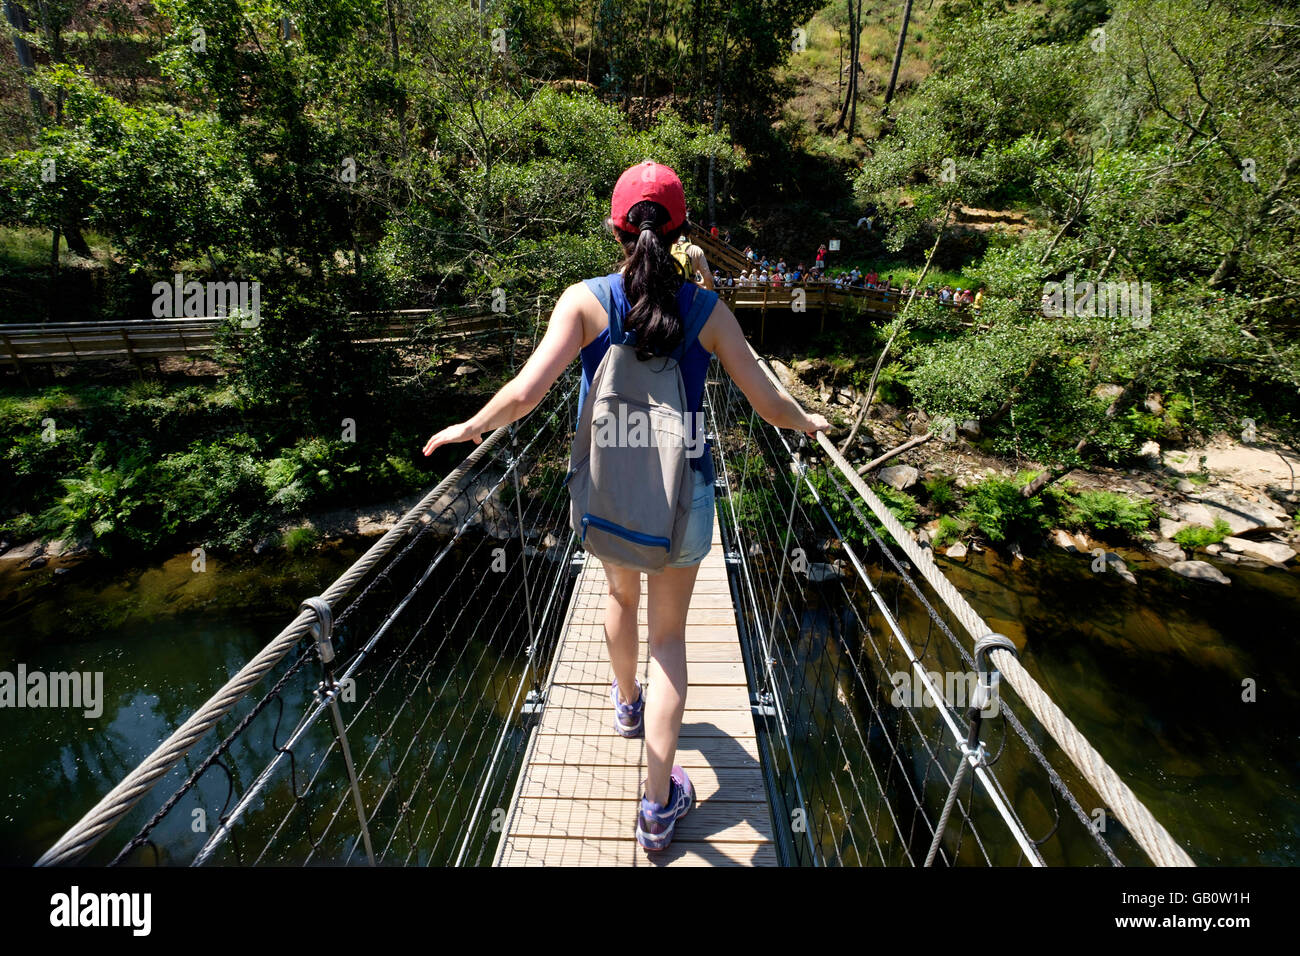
[{"x": 1195, "y": 508}]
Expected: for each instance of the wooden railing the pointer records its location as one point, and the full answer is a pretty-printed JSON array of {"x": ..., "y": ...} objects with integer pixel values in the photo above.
[{"x": 55, "y": 343}]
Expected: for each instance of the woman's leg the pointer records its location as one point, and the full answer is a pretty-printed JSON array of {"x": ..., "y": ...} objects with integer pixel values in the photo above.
[
  {"x": 669, "y": 599},
  {"x": 621, "y": 636}
]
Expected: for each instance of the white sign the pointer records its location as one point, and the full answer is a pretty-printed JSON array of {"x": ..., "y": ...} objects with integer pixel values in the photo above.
[{"x": 835, "y": 245}]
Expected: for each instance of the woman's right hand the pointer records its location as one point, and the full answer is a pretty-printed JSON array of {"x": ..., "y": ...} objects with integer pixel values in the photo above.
[{"x": 815, "y": 424}]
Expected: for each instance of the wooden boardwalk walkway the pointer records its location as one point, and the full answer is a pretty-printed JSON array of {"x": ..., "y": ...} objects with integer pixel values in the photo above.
[{"x": 576, "y": 801}]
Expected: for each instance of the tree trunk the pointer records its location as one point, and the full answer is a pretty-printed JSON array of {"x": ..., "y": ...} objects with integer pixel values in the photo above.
[
  {"x": 850, "y": 88},
  {"x": 17, "y": 18},
  {"x": 1228, "y": 264},
  {"x": 717, "y": 111},
  {"x": 898, "y": 52}
]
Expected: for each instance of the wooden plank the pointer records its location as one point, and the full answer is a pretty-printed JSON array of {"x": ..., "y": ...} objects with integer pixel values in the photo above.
[
  {"x": 596, "y": 696},
  {"x": 531, "y": 851},
  {"x": 702, "y": 672},
  {"x": 616, "y": 819},
  {"x": 615, "y": 783},
  {"x": 695, "y": 723},
  {"x": 612, "y": 750},
  {"x": 576, "y": 800}
]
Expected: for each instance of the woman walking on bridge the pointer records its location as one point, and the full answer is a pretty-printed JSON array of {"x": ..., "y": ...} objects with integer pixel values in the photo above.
[{"x": 649, "y": 295}]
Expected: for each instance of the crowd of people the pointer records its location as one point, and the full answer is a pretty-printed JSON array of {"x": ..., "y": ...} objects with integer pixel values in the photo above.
[
  {"x": 778, "y": 273},
  {"x": 782, "y": 274}
]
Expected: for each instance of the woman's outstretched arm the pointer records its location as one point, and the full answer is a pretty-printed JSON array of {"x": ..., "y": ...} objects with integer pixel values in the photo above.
[
  {"x": 726, "y": 340},
  {"x": 519, "y": 396}
]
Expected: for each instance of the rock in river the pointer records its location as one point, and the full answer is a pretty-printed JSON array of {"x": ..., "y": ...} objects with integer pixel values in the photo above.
[{"x": 1199, "y": 571}]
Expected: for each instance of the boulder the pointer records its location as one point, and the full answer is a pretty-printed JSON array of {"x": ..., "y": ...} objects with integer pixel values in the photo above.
[
  {"x": 900, "y": 477},
  {"x": 1200, "y": 571},
  {"x": 26, "y": 551},
  {"x": 39, "y": 561},
  {"x": 783, "y": 373},
  {"x": 1169, "y": 527},
  {"x": 1167, "y": 550},
  {"x": 956, "y": 551},
  {"x": 1108, "y": 392},
  {"x": 463, "y": 370},
  {"x": 1270, "y": 552},
  {"x": 1193, "y": 512},
  {"x": 1063, "y": 540},
  {"x": 1240, "y": 514},
  {"x": 826, "y": 572},
  {"x": 1116, "y": 564},
  {"x": 1151, "y": 451},
  {"x": 970, "y": 428}
]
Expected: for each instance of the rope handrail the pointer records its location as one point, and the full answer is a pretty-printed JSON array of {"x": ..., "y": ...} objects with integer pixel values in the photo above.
[
  {"x": 1149, "y": 833},
  {"x": 82, "y": 836}
]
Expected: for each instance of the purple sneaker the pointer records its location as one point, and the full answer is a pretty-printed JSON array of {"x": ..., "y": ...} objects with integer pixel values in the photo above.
[
  {"x": 627, "y": 717},
  {"x": 655, "y": 823}
]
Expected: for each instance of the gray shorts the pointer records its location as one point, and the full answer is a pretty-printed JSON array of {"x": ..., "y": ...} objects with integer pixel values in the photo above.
[{"x": 699, "y": 527}]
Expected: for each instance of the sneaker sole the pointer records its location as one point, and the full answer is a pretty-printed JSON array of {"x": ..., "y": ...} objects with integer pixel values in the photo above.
[
  {"x": 622, "y": 732},
  {"x": 660, "y": 841}
]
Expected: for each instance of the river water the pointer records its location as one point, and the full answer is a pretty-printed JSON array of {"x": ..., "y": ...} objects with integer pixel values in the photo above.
[
  {"x": 1151, "y": 672},
  {"x": 1158, "y": 676}
]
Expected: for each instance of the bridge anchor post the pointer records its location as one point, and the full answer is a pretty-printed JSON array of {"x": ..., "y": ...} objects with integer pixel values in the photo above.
[
  {"x": 972, "y": 751},
  {"x": 328, "y": 690}
]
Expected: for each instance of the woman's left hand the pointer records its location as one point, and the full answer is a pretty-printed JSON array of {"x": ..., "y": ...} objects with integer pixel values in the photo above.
[{"x": 462, "y": 431}]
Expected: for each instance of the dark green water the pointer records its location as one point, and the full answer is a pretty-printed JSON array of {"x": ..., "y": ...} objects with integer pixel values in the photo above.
[
  {"x": 1152, "y": 673},
  {"x": 164, "y": 637}
]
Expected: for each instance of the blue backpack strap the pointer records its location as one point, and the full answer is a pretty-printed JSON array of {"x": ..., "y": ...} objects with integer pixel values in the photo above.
[
  {"x": 599, "y": 287},
  {"x": 618, "y": 299},
  {"x": 693, "y": 321}
]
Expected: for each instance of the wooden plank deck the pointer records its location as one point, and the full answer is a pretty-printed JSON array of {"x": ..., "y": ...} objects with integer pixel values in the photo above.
[{"x": 576, "y": 800}]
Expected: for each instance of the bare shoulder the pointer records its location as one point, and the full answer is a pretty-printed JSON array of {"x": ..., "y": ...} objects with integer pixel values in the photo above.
[
  {"x": 580, "y": 302},
  {"x": 720, "y": 326}
]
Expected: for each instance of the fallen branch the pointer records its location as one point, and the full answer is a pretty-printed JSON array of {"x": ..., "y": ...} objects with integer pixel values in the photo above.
[{"x": 910, "y": 443}]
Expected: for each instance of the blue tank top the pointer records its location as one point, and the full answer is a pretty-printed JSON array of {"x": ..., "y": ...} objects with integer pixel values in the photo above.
[{"x": 694, "y": 364}]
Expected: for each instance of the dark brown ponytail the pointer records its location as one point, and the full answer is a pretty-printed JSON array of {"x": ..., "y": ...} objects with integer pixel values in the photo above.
[{"x": 651, "y": 280}]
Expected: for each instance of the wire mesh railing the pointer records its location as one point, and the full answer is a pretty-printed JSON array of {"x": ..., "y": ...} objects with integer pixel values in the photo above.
[
  {"x": 864, "y": 693},
  {"x": 392, "y": 731}
]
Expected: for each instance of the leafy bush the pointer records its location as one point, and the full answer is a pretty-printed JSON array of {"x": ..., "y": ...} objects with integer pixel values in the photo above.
[
  {"x": 111, "y": 504},
  {"x": 1108, "y": 511},
  {"x": 942, "y": 493},
  {"x": 1001, "y": 513},
  {"x": 300, "y": 539},
  {"x": 313, "y": 471},
  {"x": 1198, "y": 536},
  {"x": 950, "y": 529},
  {"x": 904, "y": 507}
]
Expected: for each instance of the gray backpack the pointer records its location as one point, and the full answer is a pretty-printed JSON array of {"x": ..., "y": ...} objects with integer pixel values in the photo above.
[{"x": 629, "y": 478}]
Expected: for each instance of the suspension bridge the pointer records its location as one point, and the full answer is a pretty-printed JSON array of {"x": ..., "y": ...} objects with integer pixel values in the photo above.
[{"x": 444, "y": 701}]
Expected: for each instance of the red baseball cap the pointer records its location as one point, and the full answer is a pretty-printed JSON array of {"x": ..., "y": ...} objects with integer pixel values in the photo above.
[{"x": 653, "y": 181}]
